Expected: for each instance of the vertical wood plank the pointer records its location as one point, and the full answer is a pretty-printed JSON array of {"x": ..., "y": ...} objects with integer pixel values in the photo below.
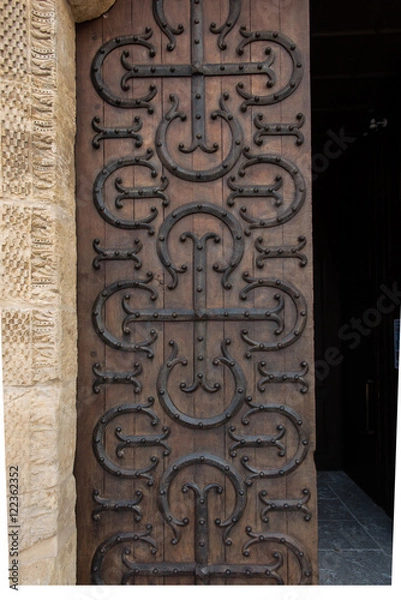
[{"x": 199, "y": 454}]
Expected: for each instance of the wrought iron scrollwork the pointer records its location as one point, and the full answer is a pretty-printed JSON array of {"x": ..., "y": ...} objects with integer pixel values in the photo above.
[
  {"x": 113, "y": 377},
  {"x": 97, "y": 78},
  {"x": 222, "y": 31},
  {"x": 299, "y": 505},
  {"x": 300, "y": 307},
  {"x": 286, "y": 318},
  {"x": 117, "y": 506},
  {"x": 168, "y": 30},
  {"x": 279, "y": 129},
  {"x": 221, "y": 465},
  {"x": 281, "y": 252},
  {"x": 292, "y": 462},
  {"x": 200, "y": 208},
  {"x": 132, "y": 193},
  {"x": 297, "y": 377},
  {"x": 116, "y": 254},
  {"x": 199, "y": 134},
  {"x": 167, "y": 402},
  {"x": 133, "y": 441},
  {"x": 278, "y": 541},
  {"x": 257, "y": 441},
  {"x": 297, "y": 67},
  {"x": 240, "y": 190},
  {"x": 143, "y": 537},
  {"x": 99, "y": 322},
  {"x": 109, "y": 133}
]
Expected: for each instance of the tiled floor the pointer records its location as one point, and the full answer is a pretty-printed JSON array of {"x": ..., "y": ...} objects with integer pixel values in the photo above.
[{"x": 355, "y": 535}]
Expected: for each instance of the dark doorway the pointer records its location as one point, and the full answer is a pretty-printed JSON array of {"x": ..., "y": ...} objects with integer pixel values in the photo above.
[{"x": 356, "y": 148}]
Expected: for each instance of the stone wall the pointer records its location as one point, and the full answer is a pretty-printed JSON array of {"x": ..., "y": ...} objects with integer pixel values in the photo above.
[{"x": 38, "y": 274}]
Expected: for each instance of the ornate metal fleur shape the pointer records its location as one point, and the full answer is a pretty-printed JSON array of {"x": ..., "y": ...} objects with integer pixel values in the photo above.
[
  {"x": 284, "y": 251},
  {"x": 278, "y": 541},
  {"x": 203, "y": 208},
  {"x": 167, "y": 29},
  {"x": 297, "y": 377},
  {"x": 166, "y": 399},
  {"x": 129, "y": 193},
  {"x": 198, "y": 129},
  {"x": 133, "y": 441},
  {"x": 299, "y": 505},
  {"x": 100, "y": 85},
  {"x": 257, "y": 441},
  {"x": 143, "y": 537},
  {"x": 224, "y": 30},
  {"x": 279, "y": 129},
  {"x": 291, "y": 462},
  {"x": 117, "y": 254},
  {"x": 285, "y": 210},
  {"x": 117, "y": 506},
  {"x": 116, "y": 377},
  {"x": 297, "y": 67},
  {"x": 98, "y": 314},
  {"x": 283, "y": 288},
  {"x": 199, "y": 458},
  {"x": 109, "y": 133}
]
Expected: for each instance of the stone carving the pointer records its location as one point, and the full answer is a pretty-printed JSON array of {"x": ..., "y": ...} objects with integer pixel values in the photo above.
[
  {"x": 15, "y": 139},
  {"x": 29, "y": 346},
  {"x": 13, "y": 50},
  {"x": 43, "y": 65},
  {"x": 44, "y": 276},
  {"x": 16, "y": 333},
  {"x": 29, "y": 265},
  {"x": 15, "y": 251}
]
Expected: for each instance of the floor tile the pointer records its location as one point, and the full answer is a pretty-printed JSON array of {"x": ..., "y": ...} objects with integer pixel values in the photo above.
[
  {"x": 354, "y": 534},
  {"x": 325, "y": 491},
  {"x": 333, "y": 510},
  {"x": 344, "y": 535},
  {"x": 381, "y": 531},
  {"x": 355, "y": 499},
  {"x": 367, "y": 567}
]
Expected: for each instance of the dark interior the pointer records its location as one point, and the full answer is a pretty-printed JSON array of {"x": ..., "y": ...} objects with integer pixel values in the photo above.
[{"x": 356, "y": 157}]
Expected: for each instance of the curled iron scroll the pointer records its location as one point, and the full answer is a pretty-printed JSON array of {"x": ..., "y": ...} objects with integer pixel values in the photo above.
[
  {"x": 150, "y": 440},
  {"x": 297, "y": 67},
  {"x": 199, "y": 458},
  {"x": 97, "y": 77}
]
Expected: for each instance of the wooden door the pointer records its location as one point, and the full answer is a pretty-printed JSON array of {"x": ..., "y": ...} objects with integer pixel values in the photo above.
[{"x": 195, "y": 408}]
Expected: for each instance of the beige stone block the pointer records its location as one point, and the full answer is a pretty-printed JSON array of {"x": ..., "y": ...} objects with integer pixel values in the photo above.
[
  {"x": 68, "y": 342},
  {"x": 14, "y": 44},
  {"x": 66, "y": 434},
  {"x": 15, "y": 138},
  {"x": 66, "y": 510},
  {"x": 17, "y": 433},
  {"x": 65, "y": 574},
  {"x": 40, "y": 572},
  {"x": 31, "y": 340},
  {"x": 46, "y": 345},
  {"x": 43, "y": 264},
  {"x": 44, "y": 549},
  {"x": 85, "y": 10},
  {"x": 38, "y": 516},
  {"x": 67, "y": 249},
  {"x": 40, "y": 434},
  {"x": 15, "y": 254},
  {"x": 16, "y": 327}
]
